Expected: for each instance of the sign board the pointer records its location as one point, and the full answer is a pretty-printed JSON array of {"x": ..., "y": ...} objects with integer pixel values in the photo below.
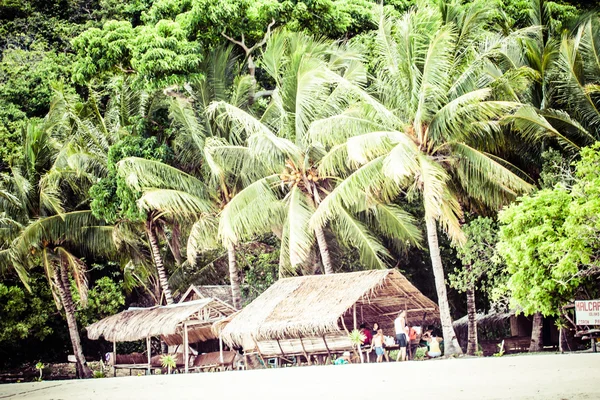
[{"x": 587, "y": 312}]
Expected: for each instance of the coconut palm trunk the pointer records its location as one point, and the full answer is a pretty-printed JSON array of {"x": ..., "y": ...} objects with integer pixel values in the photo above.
[
  {"x": 537, "y": 341},
  {"x": 451, "y": 345},
  {"x": 324, "y": 250},
  {"x": 234, "y": 277},
  {"x": 472, "y": 326},
  {"x": 62, "y": 282},
  {"x": 158, "y": 262}
]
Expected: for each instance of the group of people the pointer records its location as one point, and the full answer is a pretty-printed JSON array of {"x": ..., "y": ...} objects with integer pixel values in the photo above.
[{"x": 405, "y": 337}]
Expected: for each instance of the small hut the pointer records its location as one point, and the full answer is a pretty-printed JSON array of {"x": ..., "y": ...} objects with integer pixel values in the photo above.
[
  {"x": 312, "y": 315},
  {"x": 176, "y": 324},
  {"x": 221, "y": 292},
  {"x": 512, "y": 327}
]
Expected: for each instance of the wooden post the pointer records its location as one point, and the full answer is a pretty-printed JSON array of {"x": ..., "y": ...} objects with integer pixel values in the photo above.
[
  {"x": 354, "y": 315},
  {"x": 114, "y": 358},
  {"x": 149, "y": 350},
  {"x": 186, "y": 347},
  {"x": 221, "y": 349},
  {"x": 305, "y": 353}
]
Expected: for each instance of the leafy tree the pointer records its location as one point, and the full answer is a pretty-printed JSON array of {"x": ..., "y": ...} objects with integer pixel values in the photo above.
[
  {"x": 22, "y": 314},
  {"x": 540, "y": 278},
  {"x": 104, "y": 299},
  {"x": 481, "y": 269},
  {"x": 118, "y": 48},
  {"x": 549, "y": 241},
  {"x": 435, "y": 127}
]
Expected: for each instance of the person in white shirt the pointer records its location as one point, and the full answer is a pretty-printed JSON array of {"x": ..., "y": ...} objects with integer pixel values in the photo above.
[{"x": 401, "y": 335}]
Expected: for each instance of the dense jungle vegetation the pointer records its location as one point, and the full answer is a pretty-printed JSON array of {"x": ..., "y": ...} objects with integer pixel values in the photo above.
[{"x": 146, "y": 145}]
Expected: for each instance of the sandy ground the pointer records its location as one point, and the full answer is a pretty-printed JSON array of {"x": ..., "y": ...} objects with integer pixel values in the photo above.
[{"x": 547, "y": 376}]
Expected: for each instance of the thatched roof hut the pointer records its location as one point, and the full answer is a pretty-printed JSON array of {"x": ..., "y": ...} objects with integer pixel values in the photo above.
[
  {"x": 319, "y": 305},
  {"x": 491, "y": 321},
  {"x": 166, "y": 321},
  {"x": 221, "y": 292}
]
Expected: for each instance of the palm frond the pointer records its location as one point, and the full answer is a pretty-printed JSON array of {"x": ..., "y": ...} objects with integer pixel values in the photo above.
[
  {"x": 175, "y": 203},
  {"x": 353, "y": 233},
  {"x": 397, "y": 225},
  {"x": 203, "y": 236},
  {"x": 78, "y": 271},
  {"x": 440, "y": 203},
  {"x": 140, "y": 174},
  {"x": 252, "y": 211},
  {"x": 534, "y": 128},
  {"x": 484, "y": 178},
  {"x": 301, "y": 238}
]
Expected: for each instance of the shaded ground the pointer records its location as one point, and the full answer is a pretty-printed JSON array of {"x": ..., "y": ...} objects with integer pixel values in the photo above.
[{"x": 552, "y": 376}]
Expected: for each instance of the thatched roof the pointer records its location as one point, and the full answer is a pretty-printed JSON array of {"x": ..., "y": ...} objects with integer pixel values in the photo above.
[
  {"x": 221, "y": 292},
  {"x": 315, "y": 305},
  {"x": 166, "y": 321},
  {"x": 493, "y": 320}
]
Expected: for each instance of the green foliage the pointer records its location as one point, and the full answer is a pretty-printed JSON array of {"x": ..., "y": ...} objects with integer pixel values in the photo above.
[
  {"x": 23, "y": 315},
  {"x": 261, "y": 273},
  {"x": 99, "y": 374},
  {"x": 481, "y": 263},
  {"x": 531, "y": 242},
  {"x": 104, "y": 299},
  {"x": 204, "y": 20},
  {"x": 550, "y": 240},
  {"x": 420, "y": 353},
  {"x": 556, "y": 170},
  {"x": 160, "y": 54},
  {"x": 25, "y": 78},
  {"x": 356, "y": 337},
  {"x": 557, "y": 14},
  {"x": 112, "y": 198},
  {"x": 582, "y": 225},
  {"x": 168, "y": 361}
]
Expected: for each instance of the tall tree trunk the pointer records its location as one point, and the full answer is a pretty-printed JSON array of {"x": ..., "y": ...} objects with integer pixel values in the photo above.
[
  {"x": 451, "y": 345},
  {"x": 324, "y": 250},
  {"x": 472, "y": 327},
  {"x": 64, "y": 290},
  {"x": 537, "y": 340},
  {"x": 234, "y": 277},
  {"x": 158, "y": 262}
]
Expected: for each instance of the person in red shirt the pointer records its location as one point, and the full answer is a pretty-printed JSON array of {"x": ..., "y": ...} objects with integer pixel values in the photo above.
[{"x": 368, "y": 335}]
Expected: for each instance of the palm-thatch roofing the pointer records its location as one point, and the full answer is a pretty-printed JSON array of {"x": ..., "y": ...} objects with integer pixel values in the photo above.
[
  {"x": 493, "y": 320},
  {"x": 320, "y": 304},
  {"x": 221, "y": 292},
  {"x": 166, "y": 321}
]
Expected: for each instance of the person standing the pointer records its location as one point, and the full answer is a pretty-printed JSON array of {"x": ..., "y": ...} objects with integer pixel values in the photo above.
[
  {"x": 377, "y": 343},
  {"x": 401, "y": 335}
]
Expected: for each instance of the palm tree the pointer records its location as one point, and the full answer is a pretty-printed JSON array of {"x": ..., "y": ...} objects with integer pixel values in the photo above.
[
  {"x": 181, "y": 194},
  {"x": 559, "y": 81},
  {"x": 299, "y": 173},
  {"x": 37, "y": 229},
  {"x": 440, "y": 128}
]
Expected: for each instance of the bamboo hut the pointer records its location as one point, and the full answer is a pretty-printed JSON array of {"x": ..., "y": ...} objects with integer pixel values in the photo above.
[
  {"x": 221, "y": 292},
  {"x": 176, "y": 324},
  {"x": 312, "y": 315}
]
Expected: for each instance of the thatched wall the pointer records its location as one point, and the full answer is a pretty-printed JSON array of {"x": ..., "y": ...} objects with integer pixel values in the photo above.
[
  {"x": 167, "y": 321},
  {"x": 315, "y": 305}
]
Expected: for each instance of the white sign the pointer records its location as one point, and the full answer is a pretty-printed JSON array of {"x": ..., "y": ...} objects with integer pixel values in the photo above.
[{"x": 587, "y": 312}]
